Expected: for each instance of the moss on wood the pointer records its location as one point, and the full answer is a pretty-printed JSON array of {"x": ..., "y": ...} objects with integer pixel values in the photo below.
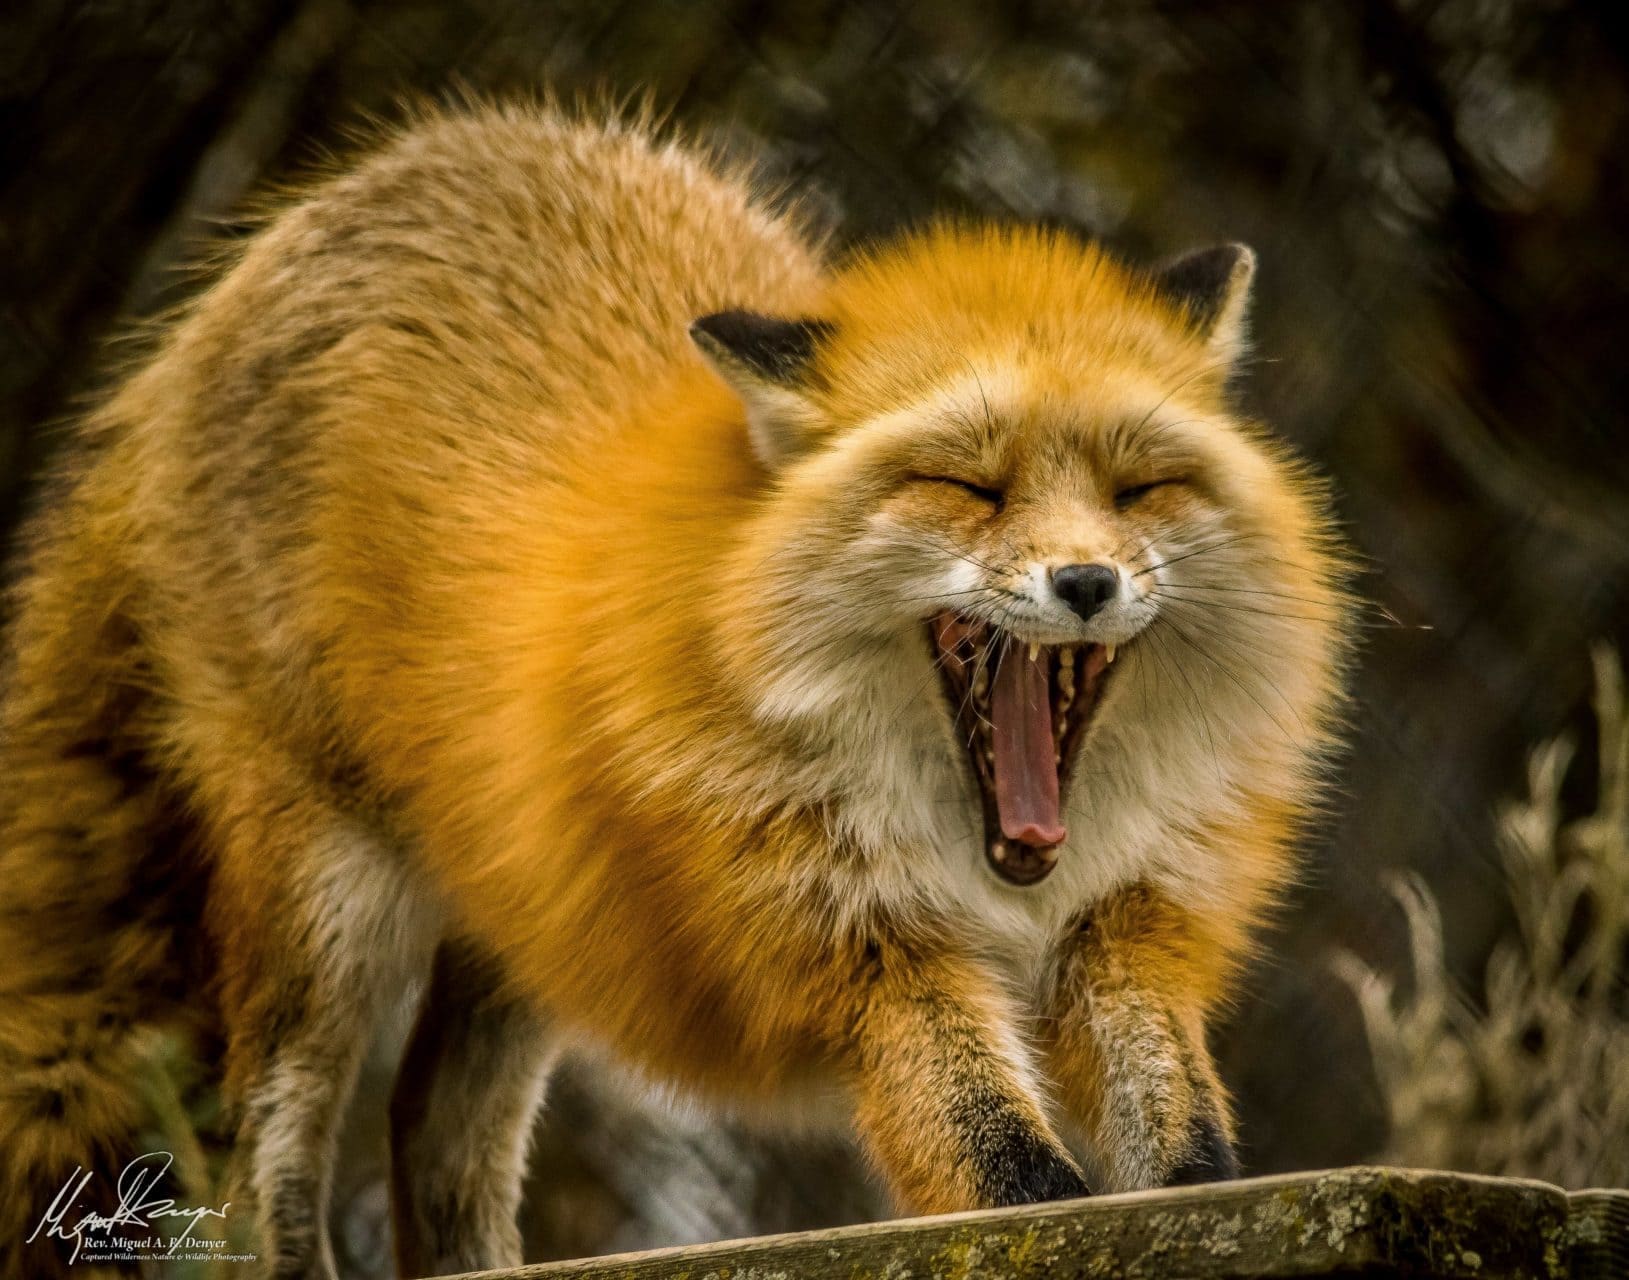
[{"x": 1363, "y": 1221}]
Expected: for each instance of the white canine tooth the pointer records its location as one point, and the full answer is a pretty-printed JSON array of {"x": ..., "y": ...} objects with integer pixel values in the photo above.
[
  {"x": 1034, "y": 652},
  {"x": 1108, "y": 654}
]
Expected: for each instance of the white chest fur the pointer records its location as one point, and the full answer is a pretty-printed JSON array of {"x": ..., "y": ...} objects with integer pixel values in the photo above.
[{"x": 905, "y": 801}]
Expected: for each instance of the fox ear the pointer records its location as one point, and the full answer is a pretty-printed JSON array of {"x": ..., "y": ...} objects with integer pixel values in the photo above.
[
  {"x": 767, "y": 362},
  {"x": 1212, "y": 289}
]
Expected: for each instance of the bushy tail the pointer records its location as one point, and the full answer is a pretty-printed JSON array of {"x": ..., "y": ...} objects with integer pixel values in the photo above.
[{"x": 90, "y": 887}]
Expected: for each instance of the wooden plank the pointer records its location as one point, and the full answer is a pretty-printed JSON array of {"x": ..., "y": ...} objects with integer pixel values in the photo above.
[{"x": 1362, "y": 1221}]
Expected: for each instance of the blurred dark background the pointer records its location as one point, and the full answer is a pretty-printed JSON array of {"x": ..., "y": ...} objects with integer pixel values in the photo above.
[{"x": 1437, "y": 192}]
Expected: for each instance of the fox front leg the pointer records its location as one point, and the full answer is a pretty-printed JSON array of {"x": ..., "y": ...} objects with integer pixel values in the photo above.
[
  {"x": 1127, "y": 1043},
  {"x": 947, "y": 1100}
]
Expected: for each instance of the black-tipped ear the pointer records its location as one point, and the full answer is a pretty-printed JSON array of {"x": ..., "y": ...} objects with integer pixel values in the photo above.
[
  {"x": 1212, "y": 288},
  {"x": 766, "y": 346},
  {"x": 767, "y": 361}
]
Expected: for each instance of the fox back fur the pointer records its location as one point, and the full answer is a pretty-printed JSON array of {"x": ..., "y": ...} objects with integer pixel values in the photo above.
[{"x": 886, "y": 690}]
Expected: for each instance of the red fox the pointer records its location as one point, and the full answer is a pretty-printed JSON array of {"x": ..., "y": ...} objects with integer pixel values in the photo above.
[{"x": 882, "y": 691}]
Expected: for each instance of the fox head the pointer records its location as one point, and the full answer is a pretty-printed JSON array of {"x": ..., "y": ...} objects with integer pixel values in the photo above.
[{"x": 1008, "y": 496}]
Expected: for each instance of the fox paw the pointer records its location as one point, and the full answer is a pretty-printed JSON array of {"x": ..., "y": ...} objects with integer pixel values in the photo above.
[
  {"x": 1028, "y": 1170},
  {"x": 1209, "y": 1156}
]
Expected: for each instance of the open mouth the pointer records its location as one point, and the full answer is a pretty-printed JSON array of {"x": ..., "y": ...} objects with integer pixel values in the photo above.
[{"x": 1021, "y": 711}]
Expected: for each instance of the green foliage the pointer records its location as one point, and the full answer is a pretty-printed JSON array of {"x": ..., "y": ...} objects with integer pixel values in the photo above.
[{"x": 1532, "y": 1082}]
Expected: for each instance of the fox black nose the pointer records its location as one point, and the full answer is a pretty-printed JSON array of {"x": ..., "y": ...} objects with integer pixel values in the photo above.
[{"x": 1085, "y": 588}]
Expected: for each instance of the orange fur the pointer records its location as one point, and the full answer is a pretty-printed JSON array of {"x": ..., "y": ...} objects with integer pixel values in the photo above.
[{"x": 461, "y": 608}]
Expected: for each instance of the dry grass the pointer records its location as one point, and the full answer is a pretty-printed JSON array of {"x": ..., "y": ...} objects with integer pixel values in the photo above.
[{"x": 1535, "y": 1082}]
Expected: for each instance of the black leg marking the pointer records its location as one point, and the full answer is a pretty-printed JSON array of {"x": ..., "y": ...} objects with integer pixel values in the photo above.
[
  {"x": 1015, "y": 1164},
  {"x": 1029, "y": 1171},
  {"x": 1209, "y": 1157}
]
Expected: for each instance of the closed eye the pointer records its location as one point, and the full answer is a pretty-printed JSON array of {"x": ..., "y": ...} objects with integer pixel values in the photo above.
[
  {"x": 1132, "y": 494},
  {"x": 980, "y": 491}
]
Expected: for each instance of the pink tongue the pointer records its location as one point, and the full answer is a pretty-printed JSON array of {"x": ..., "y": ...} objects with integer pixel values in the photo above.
[{"x": 1026, "y": 770}]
